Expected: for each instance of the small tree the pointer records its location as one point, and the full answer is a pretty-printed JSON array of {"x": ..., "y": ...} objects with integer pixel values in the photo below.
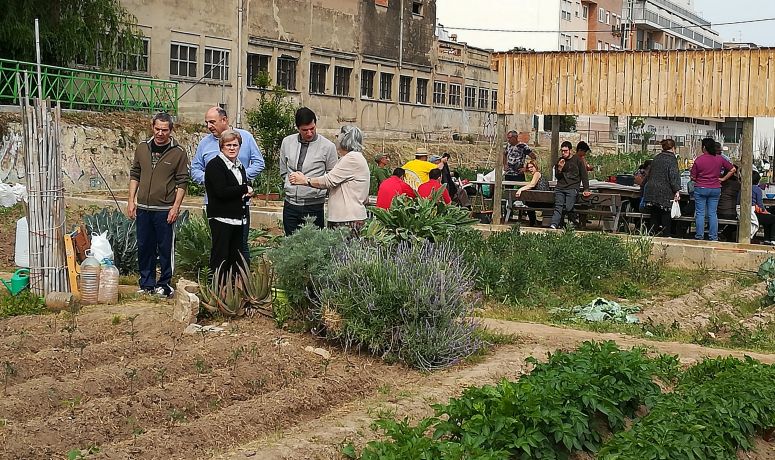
[{"x": 273, "y": 118}]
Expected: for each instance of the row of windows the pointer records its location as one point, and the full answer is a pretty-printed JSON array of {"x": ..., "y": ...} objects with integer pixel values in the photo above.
[
  {"x": 449, "y": 94},
  {"x": 371, "y": 87},
  {"x": 184, "y": 63},
  {"x": 605, "y": 16}
]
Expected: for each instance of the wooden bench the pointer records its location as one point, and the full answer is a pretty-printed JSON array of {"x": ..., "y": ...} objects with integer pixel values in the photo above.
[
  {"x": 597, "y": 204},
  {"x": 721, "y": 223}
]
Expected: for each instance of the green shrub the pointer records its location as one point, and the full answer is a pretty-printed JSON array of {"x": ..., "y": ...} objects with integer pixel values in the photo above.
[
  {"x": 511, "y": 264},
  {"x": 565, "y": 405},
  {"x": 409, "y": 302},
  {"x": 714, "y": 412},
  {"x": 416, "y": 220},
  {"x": 24, "y": 303},
  {"x": 301, "y": 260}
]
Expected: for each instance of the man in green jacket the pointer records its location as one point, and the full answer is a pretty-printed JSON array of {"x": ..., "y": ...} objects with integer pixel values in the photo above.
[
  {"x": 379, "y": 171},
  {"x": 157, "y": 185}
]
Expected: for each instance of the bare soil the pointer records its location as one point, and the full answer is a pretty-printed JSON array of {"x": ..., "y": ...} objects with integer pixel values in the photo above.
[
  {"x": 155, "y": 393},
  {"x": 697, "y": 308},
  {"x": 144, "y": 390}
]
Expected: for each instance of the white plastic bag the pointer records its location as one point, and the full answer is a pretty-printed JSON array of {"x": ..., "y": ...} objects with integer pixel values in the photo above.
[
  {"x": 675, "y": 211},
  {"x": 100, "y": 246}
]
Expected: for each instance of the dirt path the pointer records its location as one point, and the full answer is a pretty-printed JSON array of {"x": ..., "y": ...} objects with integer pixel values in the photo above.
[{"x": 323, "y": 437}]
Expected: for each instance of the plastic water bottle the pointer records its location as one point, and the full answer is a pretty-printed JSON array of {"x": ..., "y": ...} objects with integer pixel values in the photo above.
[
  {"x": 108, "y": 292},
  {"x": 90, "y": 280},
  {"x": 685, "y": 181}
]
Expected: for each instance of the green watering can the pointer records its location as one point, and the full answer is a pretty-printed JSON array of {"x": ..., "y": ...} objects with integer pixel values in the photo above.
[{"x": 19, "y": 281}]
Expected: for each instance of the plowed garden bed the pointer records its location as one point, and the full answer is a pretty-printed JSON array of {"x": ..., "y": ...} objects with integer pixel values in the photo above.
[{"x": 156, "y": 393}]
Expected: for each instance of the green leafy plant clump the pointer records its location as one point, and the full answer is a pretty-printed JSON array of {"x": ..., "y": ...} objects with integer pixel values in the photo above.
[
  {"x": 512, "y": 265},
  {"x": 767, "y": 273},
  {"x": 409, "y": 302},
  {"x": 564, "y": 406},
  {"x": 416, "y": 220},
  {"x": 24, "y": 303},
  {"x": 301, "y": 260},
  {"x": 717, "y": 408}
]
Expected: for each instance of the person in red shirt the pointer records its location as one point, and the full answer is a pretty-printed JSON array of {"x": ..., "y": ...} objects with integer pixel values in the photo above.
[
  {"x": 433, "y": 183},
  {"x": 392, "y": 187}
]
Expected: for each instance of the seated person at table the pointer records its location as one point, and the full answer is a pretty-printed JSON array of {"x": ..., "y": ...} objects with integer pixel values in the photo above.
[
  {"x": 766, "y": 219},
  {"x": 420, "y": 165},
  {"x": 727, "y": 205},
  {"x": 391, "y": 188},
  {"x": 432, "y": 184},
  {"x": 537, "y": 182},
  {"x": 570, "y": 173}
]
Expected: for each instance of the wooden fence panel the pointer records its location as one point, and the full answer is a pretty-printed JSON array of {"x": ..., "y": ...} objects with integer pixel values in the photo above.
[{"x": 680, "y": 83}]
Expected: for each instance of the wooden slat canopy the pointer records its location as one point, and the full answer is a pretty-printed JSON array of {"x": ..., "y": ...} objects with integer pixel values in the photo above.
[{"x": 680, "y": 83}]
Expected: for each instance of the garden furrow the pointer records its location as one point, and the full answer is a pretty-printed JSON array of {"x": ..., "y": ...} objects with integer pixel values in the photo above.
[{"x": 105, "y": 419}]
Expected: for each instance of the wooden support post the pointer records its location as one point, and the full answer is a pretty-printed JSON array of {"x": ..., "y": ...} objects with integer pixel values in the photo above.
[
  {"x": 500, "y": 138},
  {"x": 555, "y": 149},
  {"x": 746, "y": 169}
]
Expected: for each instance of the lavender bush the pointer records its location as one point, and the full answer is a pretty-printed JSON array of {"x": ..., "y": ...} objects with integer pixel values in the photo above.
[{"x": 409, "y": 302}]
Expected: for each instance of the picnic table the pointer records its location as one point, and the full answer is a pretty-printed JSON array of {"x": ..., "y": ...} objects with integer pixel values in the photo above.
[{"x": 607, "y": 199}]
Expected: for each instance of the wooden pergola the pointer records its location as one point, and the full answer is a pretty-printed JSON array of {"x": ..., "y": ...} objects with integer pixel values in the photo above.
[{"x": 679, "y": 83}]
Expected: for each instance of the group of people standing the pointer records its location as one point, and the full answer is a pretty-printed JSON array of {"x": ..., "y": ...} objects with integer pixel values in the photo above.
[
  {"x": 714, "y": 193},
  {"x": 227, "y": 161}
]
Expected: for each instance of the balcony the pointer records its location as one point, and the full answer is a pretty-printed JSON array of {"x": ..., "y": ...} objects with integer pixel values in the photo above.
[
  {"x": 646, "y": 14},
  {"x": 678, "y": 10}
]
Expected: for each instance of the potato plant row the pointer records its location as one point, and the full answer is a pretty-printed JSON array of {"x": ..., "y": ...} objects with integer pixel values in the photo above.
[{"x": 573, "y": 401}]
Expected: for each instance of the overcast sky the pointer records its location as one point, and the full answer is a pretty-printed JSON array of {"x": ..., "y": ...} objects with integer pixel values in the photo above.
[
  {"x": 466, "y": 13},
  {"x": 761, "y": 33}
]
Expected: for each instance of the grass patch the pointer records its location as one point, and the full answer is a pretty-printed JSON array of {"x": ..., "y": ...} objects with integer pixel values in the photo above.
[
  {"x": 25, "y": 303},
  {"x": 491, "y": 340}
]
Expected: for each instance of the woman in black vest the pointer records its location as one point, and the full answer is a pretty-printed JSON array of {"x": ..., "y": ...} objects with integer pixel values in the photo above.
[{"x": 227, "y": 192}]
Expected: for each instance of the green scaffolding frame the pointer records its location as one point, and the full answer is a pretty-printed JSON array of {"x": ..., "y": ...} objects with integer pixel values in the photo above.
[{"x": 87, "y": 89}]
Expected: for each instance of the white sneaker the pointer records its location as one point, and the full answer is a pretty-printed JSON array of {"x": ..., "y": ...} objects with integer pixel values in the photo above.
[
  {"x": 166, "y": 292},
  {"x": 553, "y": 227}
]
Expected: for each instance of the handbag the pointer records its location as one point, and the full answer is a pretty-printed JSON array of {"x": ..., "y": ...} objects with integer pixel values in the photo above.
[{"x": 675, "y": 211}]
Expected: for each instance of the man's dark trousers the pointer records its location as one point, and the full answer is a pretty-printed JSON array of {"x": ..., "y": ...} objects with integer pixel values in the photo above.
[
  {"x": 155, "y": 238},
  {"x": 293, "y": 216},
  {"x": 564, "y": 200}
]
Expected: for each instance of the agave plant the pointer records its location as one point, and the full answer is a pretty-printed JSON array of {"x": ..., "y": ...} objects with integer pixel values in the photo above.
[
  {"x": 223, "y": 294},
  {"x": 256, "y": 284}
]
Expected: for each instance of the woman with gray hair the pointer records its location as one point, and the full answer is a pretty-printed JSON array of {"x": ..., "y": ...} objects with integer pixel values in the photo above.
[{"x": 347, "y": 183}]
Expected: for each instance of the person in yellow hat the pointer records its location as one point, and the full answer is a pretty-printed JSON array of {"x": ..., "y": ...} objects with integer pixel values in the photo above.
[{"x": 420, "y": 165}]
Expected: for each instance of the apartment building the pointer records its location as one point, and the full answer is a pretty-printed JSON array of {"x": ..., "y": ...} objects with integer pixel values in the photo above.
[
  {"x": 665, "y": 24},
  {"x": 375, "y": 63},
  {"x": 604, "y": 24}
]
